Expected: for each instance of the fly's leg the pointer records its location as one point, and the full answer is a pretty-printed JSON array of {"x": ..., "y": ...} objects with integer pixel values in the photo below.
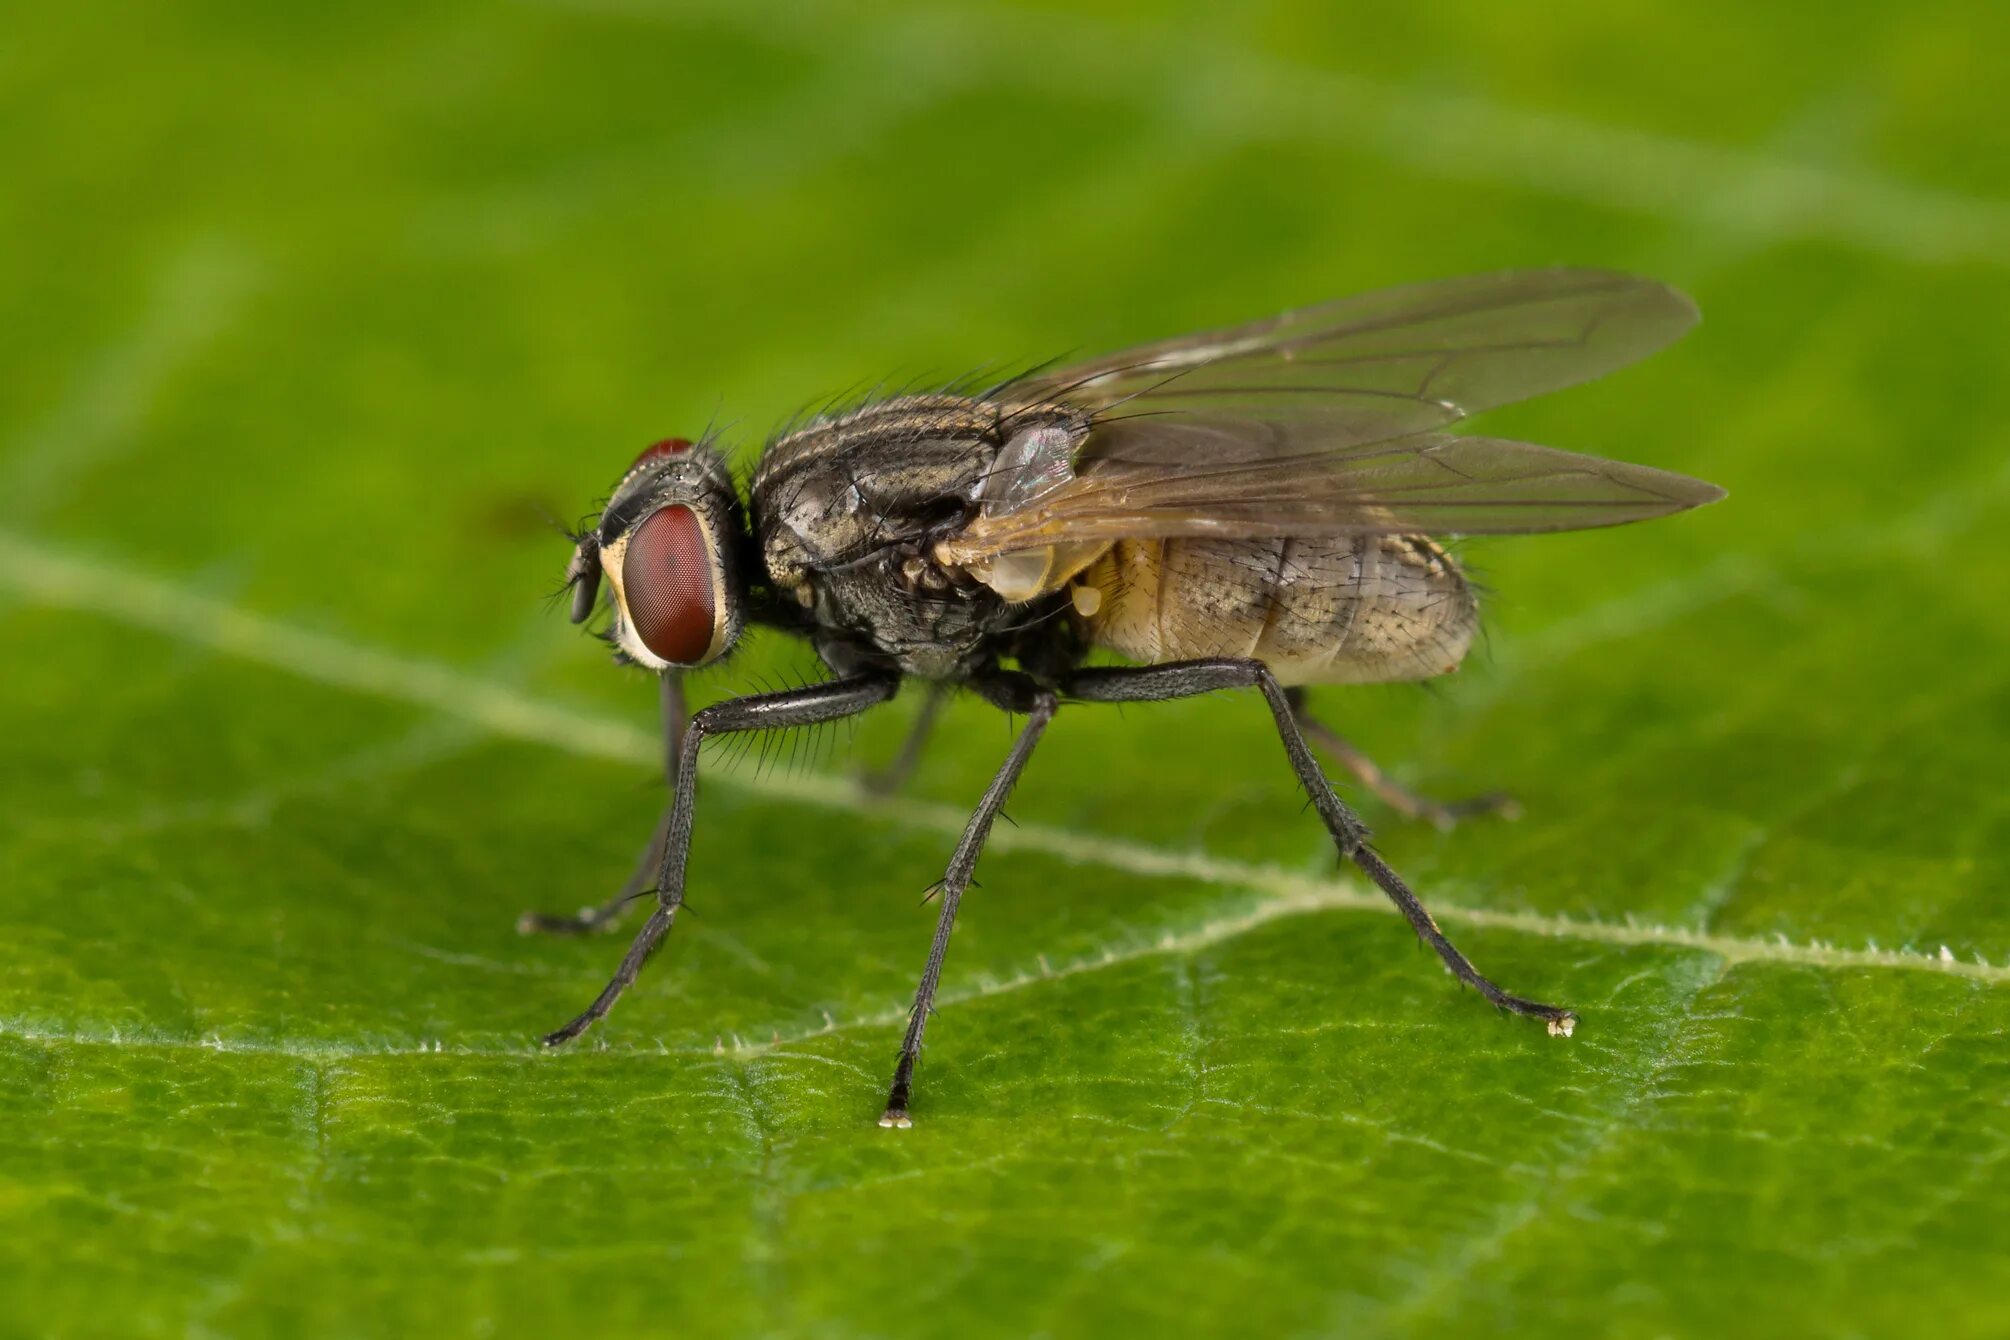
[
  {"x": 592, "y": 920},
  {"x": 1017, "y": 694},
  {"x": 595, "y": 920},
  {"x": 885, "y": 781},
  {"x": 1400, "y": 798},
  {"x": 1187, "y": 678},
  {"x": 765, "y": 711}
]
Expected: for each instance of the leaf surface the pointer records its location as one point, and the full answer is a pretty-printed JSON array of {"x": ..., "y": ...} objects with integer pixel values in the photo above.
[{"x": 313, "y": 316}]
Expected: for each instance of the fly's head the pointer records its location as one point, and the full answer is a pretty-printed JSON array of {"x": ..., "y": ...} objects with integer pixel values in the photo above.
[{"x": 669, "y": 543}]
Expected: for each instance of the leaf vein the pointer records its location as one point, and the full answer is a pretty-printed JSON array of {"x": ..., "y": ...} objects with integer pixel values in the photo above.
[{"x": 44, "y": 573}]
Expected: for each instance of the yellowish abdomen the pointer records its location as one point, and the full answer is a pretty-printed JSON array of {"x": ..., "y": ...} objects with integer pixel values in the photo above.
[{"x": 1357, "y": 610}]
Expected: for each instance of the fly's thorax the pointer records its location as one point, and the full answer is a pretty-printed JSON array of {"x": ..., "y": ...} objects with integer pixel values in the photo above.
[
  {"x": 830, "y": 495},
  {"x": 847, "y": 511},
  {"x": 1360, "y": 609}
]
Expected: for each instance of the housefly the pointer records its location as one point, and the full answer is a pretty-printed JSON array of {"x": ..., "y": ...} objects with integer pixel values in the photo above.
[{"x": 1250, "y": 508}]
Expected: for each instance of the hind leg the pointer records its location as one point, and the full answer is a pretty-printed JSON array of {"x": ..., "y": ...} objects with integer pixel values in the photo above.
[
  {"x": 1186, "y": 679},
  {"x": 1400, "y": 798}
]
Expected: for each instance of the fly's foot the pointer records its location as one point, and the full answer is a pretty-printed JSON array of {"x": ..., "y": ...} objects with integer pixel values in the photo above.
[
  {"x": 1560, "y": 1022},
  {"x": 897, "y": 1098},
  {"x": 560, "y": 1037},
  {"x": 586, "y": 921},
  {"x": 1447, "y": 815}
]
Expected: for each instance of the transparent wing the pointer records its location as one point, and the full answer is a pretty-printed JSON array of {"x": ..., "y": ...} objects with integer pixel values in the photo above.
[
  {"x": 1377, "y": 365},
  {"x": 1322, "y": 422},
  {"x": 1430, "y": 483}
]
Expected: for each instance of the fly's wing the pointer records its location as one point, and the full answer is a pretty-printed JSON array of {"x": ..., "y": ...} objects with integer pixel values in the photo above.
[
  {"x": 1321, "y": 422},
  {"x": 1386, "y": 364},
  {"x": 1428, "y": 483}
]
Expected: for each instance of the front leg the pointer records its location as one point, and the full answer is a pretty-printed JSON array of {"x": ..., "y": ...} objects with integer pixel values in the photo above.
[
  {"x": 592, "y": 920},
  {"x": 1184, "y": 679},
  {"x": 766, "y": 711}
]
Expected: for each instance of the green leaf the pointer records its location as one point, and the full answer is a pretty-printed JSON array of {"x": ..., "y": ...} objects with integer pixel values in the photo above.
[{"x": 311, "y": 314}]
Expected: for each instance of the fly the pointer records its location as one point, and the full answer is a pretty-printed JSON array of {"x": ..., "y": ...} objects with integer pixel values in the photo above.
[{"x": 1251, "y": 508}]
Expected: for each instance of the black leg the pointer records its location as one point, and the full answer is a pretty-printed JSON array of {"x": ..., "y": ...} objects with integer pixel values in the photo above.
[
  {"x": 1038, "y": 705},
  {"x": 766, "y": 711},
  {"x": 590, "y": 920},
  {"x": 886, "y": 781},
  {"x": 1187, "y": 678},
  {"x": 1400, "y": 798}
]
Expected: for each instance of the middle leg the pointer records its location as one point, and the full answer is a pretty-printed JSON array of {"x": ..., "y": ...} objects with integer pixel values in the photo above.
[
  {"x": 887, "y": 780},
  {"x": 1014, "y": 693}
]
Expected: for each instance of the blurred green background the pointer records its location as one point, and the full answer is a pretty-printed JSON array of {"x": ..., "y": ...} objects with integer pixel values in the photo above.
[{"x": 313, "y": 311}]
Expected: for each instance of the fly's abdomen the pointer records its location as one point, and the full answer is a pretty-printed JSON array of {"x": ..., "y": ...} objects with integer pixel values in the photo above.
[{"x": 1353, "y": 610}]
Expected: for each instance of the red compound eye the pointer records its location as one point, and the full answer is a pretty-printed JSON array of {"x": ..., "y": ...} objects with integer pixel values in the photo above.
[
  {"x": 667, "y": 584},
  {"x": 669, "y": 446}
]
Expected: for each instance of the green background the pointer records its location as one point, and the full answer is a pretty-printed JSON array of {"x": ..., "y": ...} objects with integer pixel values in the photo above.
[{"x": 311, "y": 310}]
